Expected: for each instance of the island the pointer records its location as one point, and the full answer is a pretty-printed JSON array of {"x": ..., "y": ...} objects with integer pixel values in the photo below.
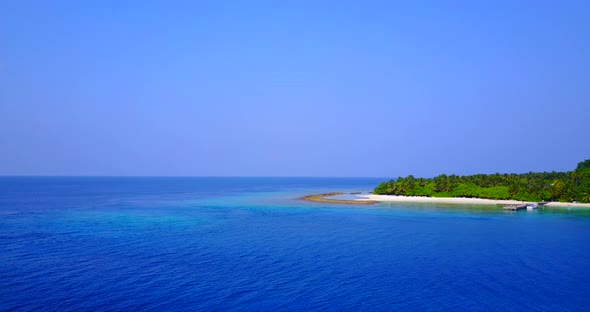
[
  {"x": 554, "y": 188},
  {"x": 572, "y": 188}
]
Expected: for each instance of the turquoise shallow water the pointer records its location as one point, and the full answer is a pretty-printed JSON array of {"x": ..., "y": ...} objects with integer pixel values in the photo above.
[{"x": 248, "y": 244}]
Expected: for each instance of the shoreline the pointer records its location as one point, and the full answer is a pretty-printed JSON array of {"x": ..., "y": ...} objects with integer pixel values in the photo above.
[
  {"x": 321, "y": 198},
  {"x": 458, "y": 200},
  {"x": 369, "y": 199}
]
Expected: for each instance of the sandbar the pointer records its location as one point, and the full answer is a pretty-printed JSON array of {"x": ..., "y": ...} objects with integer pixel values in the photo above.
[{"x": 321, "y": 198}]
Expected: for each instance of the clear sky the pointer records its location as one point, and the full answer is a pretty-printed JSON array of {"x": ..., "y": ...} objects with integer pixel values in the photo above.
[{"x": 293, "y": 88}]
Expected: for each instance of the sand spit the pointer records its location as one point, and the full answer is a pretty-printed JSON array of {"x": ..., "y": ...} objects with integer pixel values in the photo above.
[{"x": 321, "y": 198}]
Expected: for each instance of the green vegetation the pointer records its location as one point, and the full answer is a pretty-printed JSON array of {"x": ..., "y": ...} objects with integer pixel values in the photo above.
[{"x": 533, "y": 186}]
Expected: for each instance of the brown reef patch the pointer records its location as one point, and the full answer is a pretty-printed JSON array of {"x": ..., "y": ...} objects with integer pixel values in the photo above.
[{"x": 321, "y": 198}]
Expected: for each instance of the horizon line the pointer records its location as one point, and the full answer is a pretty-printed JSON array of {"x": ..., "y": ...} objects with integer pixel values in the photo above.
[{"x": 184, "y": 176}]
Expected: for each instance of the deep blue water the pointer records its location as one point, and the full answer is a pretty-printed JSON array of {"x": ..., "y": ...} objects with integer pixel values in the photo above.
[{"x": 248, "y": 244}]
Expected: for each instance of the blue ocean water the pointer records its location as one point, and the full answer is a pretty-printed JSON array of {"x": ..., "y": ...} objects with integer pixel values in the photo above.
[{"x": 248, "y": 244}]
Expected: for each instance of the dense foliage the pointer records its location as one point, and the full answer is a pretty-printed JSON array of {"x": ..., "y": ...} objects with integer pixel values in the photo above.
[{"x": 533, "y": 186}]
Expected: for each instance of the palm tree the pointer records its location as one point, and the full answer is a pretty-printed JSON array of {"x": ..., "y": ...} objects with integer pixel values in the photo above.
[
  {"x": 576, "y": 174},
  {"x": 557, "y": 189},
  {"x": 586, "y": 197}
]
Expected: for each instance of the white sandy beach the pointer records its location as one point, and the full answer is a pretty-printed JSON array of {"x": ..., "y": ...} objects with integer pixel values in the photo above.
[
  {"x": 558, "y": 204},
  {"x": 455, "y": 200}
]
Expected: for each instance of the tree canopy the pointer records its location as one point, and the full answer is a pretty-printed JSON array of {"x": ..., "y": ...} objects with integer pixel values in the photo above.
[{"x": 533, "y": 186}]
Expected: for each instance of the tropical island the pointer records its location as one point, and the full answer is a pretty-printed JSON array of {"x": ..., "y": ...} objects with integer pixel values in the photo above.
[
  {"x": 566, "y": 187},
  {"x": 570, "y": 188}
]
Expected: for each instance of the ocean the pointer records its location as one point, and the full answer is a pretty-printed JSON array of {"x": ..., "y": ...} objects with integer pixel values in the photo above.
[{"x": 248, "y": 244}]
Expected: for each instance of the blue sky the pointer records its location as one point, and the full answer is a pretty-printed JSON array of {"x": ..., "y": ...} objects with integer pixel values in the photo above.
[{"x": 293, "y": 88}]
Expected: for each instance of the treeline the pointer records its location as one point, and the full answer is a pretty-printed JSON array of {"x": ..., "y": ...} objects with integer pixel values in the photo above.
[{"x": 533, "y": 186}]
